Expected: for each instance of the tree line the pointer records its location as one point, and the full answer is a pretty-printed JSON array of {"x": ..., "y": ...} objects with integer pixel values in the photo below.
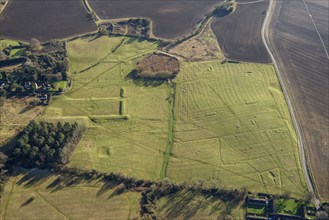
[{"x": 151, "y": 190}]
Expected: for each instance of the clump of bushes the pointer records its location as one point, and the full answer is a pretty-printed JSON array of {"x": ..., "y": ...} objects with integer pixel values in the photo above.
[
  {"x": 134, "y": 27},
  {"x": 45, "y": 144},
  {"x": 225, "y": 8},
  {"x": 157, "y": 66}
]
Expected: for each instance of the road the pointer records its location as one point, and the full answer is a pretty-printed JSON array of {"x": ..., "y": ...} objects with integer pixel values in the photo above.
[{"x": 301, "y": 144}]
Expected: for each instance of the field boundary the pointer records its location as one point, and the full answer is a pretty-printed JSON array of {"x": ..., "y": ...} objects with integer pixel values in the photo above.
[
  {"x": 200, "y": 26},
  {"x": 167, "y": 153},
  {"x": 3, "y": 7},
  {"x": 303, "y": 158}
]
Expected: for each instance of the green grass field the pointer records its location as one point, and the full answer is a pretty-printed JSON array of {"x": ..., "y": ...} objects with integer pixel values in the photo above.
[
  {"x": 34, "y": 196},
  {"x": 288, "y": 206},
  {"x": 255, "y": 209},
  {"x": 135, "y": 146},
  {"x": 14, "y": 53},
  {"x": 232, "y": 123},
  {"x": 226, "y": 123},
  {"x": 6, "y": 43}
]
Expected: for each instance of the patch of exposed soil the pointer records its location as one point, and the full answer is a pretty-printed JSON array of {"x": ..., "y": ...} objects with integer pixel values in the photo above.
[{"x": 201, "y": 47}]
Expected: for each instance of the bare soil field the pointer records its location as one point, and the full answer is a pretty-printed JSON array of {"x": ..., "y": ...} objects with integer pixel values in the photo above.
[
  {"x": 319, "y": 10},
  {"x": 44, "y": 20},
  {"x": 239, "y": 34},
  {"x": 171, "y": 18},
  {"x": 302, "y": 59}
]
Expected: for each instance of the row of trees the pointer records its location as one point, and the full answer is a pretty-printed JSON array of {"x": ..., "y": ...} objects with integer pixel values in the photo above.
[
  {"x": 151, "y": 191},
  {"x": 45, "y": 145}
]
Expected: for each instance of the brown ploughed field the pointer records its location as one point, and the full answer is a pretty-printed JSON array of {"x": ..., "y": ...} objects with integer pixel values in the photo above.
[
  {"x": 239, "y": 34},
  {"x": 44, "y": 20},
  {"x": 302, "y": 59},
  {"x": 171, "y": 18}
]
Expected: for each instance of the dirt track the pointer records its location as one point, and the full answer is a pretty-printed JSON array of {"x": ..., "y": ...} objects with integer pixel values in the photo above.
[
  {"x": 302, "y": 59},
  {"x": 44, "y": 20},
  {"x": 171, "y": 18},
  {"x": 239, "y": 34}
]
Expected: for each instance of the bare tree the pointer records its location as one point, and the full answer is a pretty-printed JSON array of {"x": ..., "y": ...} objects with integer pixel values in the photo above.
[{"x": 35, "y": 44}]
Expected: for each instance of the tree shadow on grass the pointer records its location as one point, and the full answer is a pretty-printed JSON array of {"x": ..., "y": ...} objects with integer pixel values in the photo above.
[
  {"x": 186, "y": 204},
  {"x": 144, "y": 82},
  {"x": 27, "y": 202},
  {"x": 59, "y": 180},
  {"x": 95, "y": 37},
  {"x": 64, "y": 180},
  {"x": 26, "y": 109},
  {"x": 30, "y": 177},
  {"x": 34, "y": 176},
  {"x": 106, "y": 187}
]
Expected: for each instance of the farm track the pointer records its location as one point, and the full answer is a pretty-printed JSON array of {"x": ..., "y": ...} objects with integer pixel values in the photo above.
[
  {"x": 292, "y": 110},
  {"x": 51, "y": 205}
]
